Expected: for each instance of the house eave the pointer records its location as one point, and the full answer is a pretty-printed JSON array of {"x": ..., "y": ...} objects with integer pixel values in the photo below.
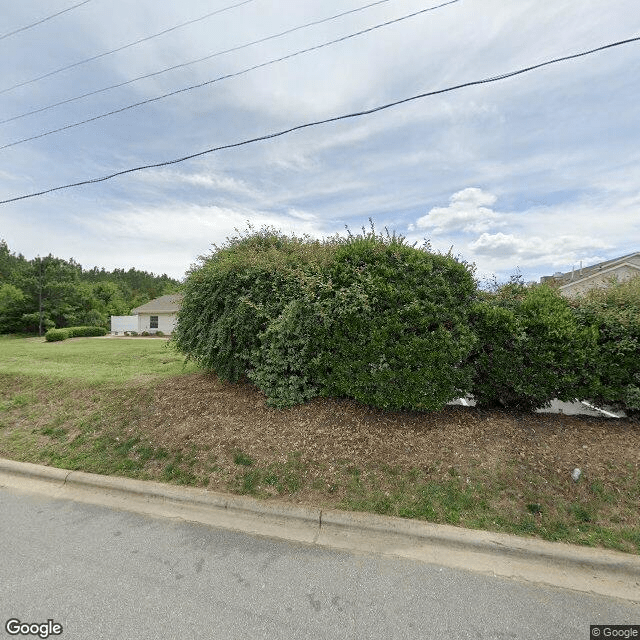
[{"x": 599, "y": 274}]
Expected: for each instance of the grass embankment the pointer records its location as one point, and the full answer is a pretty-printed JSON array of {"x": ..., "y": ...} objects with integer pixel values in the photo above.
[{"x": 131, "y": 407}]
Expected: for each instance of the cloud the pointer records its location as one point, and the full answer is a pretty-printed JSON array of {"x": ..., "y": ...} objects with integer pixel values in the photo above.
[
  {"x": 534, "y": 249},
  {"x": 203, "y": 179},
  {"x": 302, "y": 215},
  {"x": 544, "y": 238},
  {"x": 4, "y": 175},
  {"x": 191, "y": 225},
  {"x": 469, "y": 211},
  {"x": 168, "y": 239}
]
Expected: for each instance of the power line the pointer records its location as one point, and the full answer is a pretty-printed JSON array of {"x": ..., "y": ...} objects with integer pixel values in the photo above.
[
  {"x": 189, "y": 63},
  {"x": 225, "y": 77},
  {"x": 35, "y": 24},
  {"x": 125, "y": 46},
  {"x": 315, "y": 123}
]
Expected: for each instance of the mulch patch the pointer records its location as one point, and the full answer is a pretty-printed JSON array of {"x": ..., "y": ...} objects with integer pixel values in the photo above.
[{"x": 200, "y": 413}]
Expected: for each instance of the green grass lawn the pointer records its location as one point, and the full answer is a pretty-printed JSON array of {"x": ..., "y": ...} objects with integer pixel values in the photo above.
[
  {"x": 73, "y": 404},
  {"x": 91, "y": 360}
]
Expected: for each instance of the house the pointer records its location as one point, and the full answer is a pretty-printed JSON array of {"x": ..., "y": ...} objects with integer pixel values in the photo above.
[
  {"x": 156, "y": 315},
  {"x": 578, "y": 281}
]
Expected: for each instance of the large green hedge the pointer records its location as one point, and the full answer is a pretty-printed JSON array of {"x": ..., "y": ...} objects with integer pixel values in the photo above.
[
  {"x": 403, "y": 334},
  {"x": 365, "y": 317},
  {"x": 615, "y": 312},
  {"x": 531, "y": 349},
  {"x": 232, "y": 296},
  {"x": 398, "y": 327}
]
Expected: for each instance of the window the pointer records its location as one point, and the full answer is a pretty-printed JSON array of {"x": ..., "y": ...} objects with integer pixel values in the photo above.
[{"x": 153, "y": 322}]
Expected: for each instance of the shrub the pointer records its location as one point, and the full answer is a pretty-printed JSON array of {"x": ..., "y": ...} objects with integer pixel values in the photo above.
[
  {"x": 615, "y": 312},
  {"x": 231, "y": 297},
  {"x": 54, "y": 335},
  {"x": 366, "y": 317},
  {"x": 80, "y": 332},
  {"x": 133, "y": 333},
  {"x": 159, "y": 333},
  {"x": 398, "y": 335},
  {"x": 285, "y": 364},
  {"x": 531, "y": 349},
  {"x": 145, "y": 333}
]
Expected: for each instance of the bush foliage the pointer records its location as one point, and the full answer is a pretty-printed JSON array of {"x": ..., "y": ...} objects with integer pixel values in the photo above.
[
  {"x": 531, "y": 349},
  {"x": 54, "y": 335},
  {"x": 366, "y": 317},
  {"x": 615, "y": 312},
  {"x": 231, "y": 298},
  {"x": 399, "y": 333},
  {"x": 398, "y": 327}
]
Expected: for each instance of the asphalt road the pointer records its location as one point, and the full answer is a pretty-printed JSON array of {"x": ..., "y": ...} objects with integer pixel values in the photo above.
[{"x": 103, "y": 573}]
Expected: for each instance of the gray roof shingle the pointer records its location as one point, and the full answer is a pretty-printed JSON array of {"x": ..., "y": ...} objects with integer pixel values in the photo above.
[{"x": 164, "y": 304}]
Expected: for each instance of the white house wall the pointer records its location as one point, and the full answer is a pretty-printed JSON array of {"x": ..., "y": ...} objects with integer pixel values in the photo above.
[
  {"x": 166, "y": 322},
  {"x": 120, "y": 324}
]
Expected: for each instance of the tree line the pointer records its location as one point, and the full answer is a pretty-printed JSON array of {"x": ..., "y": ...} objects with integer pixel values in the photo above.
[{"x": 47, "y": 292}]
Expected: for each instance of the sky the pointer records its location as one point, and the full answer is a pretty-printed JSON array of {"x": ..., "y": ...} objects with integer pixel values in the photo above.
[{"x": 532, "y": 174}]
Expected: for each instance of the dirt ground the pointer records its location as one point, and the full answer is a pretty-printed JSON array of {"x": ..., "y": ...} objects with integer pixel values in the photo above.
[{"x": 201, "y": 413}]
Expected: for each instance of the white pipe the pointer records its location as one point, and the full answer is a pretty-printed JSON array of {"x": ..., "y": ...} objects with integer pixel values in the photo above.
[{"x": 606, "y": 413}]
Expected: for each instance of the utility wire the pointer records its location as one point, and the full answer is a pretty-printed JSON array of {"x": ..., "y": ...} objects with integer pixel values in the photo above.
[
  {"x": 189, "y": 63},
  {"x": 125, "y": 46},
  {"x": 35, "y": 24},
  {"x": 315, "y": 123},
  {"x": 225, "y": 77}
]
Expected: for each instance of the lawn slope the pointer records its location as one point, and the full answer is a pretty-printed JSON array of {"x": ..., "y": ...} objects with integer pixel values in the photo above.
[{"x": 132, "y": 407}]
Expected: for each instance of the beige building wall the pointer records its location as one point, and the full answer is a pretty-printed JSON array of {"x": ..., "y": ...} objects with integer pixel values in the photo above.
[{"x": 601, "y": 280}]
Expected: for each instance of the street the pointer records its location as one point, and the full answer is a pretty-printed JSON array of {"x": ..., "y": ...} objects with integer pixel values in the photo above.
[{"x": 103, "y": 573}]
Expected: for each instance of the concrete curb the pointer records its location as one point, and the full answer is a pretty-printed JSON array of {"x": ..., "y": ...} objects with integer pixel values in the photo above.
[{"x": 598, "y": 571}]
